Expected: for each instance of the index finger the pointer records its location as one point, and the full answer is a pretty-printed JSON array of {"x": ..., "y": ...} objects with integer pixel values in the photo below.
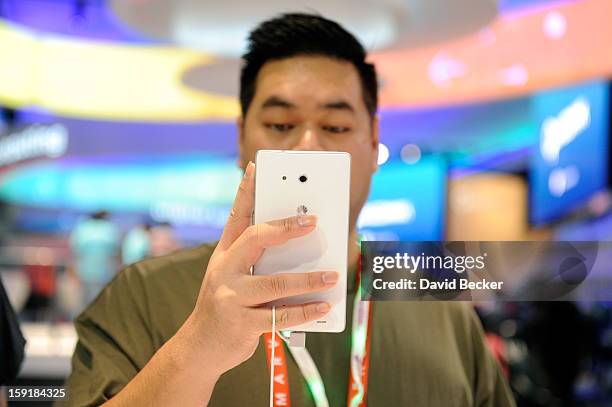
[{"x": 240, "y": 215}]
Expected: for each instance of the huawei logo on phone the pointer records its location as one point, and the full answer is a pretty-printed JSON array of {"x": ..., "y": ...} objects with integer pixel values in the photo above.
[{"x": 302, "y": 210}]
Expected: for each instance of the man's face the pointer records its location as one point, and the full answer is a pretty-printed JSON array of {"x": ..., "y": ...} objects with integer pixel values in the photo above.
[{"x": 313, "y": 103}]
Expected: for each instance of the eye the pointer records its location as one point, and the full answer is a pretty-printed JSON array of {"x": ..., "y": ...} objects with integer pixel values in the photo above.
[
  {"x": 336, "y": 129},
  {"x": 280, "y": 127}
]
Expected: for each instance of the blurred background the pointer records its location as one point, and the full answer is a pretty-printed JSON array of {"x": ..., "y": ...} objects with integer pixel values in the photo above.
[{"x": 118, "y": 142}]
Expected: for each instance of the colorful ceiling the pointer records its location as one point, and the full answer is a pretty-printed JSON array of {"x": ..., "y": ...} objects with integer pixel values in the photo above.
[{"x": 93, "y": 66}]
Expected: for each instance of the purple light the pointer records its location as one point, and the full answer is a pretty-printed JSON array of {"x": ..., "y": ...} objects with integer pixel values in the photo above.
[{"x": 91, "y": 19}]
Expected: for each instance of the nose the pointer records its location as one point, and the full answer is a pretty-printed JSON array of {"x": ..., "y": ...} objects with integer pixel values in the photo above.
[{"x": 309, "y": 140}]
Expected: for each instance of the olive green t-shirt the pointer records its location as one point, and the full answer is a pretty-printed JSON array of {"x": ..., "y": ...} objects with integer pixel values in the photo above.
[{"x": 422, "y": 353}]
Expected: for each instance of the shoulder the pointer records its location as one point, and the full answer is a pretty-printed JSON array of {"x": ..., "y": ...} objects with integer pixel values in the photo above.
[
  {"x": 157, "y": 293},
  {"x": 183, "y": 264},
  {"x": 447, "y": 314}
]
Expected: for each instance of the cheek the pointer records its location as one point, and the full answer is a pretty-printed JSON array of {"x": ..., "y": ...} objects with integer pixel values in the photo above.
[
  {"x": 254, "y": 139},
  {"x": 361, "y": 173}
]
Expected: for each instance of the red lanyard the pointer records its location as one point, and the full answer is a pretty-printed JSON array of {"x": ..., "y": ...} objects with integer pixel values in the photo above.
[
  {"x": 359, "y": 364},
  {"x": 281, "y": 379}
]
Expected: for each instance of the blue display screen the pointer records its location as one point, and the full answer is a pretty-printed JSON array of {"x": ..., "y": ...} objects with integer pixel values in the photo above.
[
  {"x": 407, "y": 202},
  {"x": 570, "y": 161}
]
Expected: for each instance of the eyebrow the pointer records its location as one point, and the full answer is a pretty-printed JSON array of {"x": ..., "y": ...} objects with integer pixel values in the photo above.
[
  {"x": 277, "y": 101},
  {"x": 339, "y": 105}
]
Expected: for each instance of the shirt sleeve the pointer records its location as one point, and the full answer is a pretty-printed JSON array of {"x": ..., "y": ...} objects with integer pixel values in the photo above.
[
  {"x": 491, "y": 388},
  {"x": 114, "y": 341}
]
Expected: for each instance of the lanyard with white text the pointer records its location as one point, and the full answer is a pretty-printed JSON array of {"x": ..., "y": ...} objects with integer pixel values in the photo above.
[{"x": 359, "y": 364}]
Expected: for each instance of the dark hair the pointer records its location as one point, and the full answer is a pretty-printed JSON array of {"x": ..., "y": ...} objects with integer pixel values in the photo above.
[
  {"x": 100, "y": 215},
  {"x": 295, "y": 34}
]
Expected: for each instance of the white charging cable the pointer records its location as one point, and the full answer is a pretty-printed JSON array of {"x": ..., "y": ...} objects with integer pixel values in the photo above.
[{"x": 272, "y": 356}]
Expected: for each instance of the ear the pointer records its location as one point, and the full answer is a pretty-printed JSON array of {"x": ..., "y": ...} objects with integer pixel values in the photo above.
[
  {"x": 240, "y": 128},
  {"x": 375, "y": 142}
]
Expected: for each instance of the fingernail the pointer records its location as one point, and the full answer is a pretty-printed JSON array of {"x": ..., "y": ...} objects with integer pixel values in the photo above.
[
  {"x": 249, "y": 169},
  {"x": 330, "y": 277},
  {"x": 322, "y": 307},
  {"x": 306, "y": 220}
]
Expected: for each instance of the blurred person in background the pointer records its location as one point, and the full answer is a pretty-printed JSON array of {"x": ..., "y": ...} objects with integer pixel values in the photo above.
[
  {"x": 147, "y": 240},
  {"x": 42, "y": 277},
  {"x": 136, "y": 244},
  {"x": 546, "y": 346},
  {"x": 186, "y": 329},
  {"x": 95, "y": 248},
  {"x": 163, "y": 239}
]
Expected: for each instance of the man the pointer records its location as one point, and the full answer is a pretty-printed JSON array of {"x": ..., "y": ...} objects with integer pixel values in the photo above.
[{"x": 185, "y": 329}]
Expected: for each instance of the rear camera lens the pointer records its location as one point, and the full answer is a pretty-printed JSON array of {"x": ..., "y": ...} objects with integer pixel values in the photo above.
[{"x": 303, "y": 178}]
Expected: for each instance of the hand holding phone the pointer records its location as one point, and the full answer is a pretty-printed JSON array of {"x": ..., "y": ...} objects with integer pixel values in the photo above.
[{"x": 232, "y": 311}]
